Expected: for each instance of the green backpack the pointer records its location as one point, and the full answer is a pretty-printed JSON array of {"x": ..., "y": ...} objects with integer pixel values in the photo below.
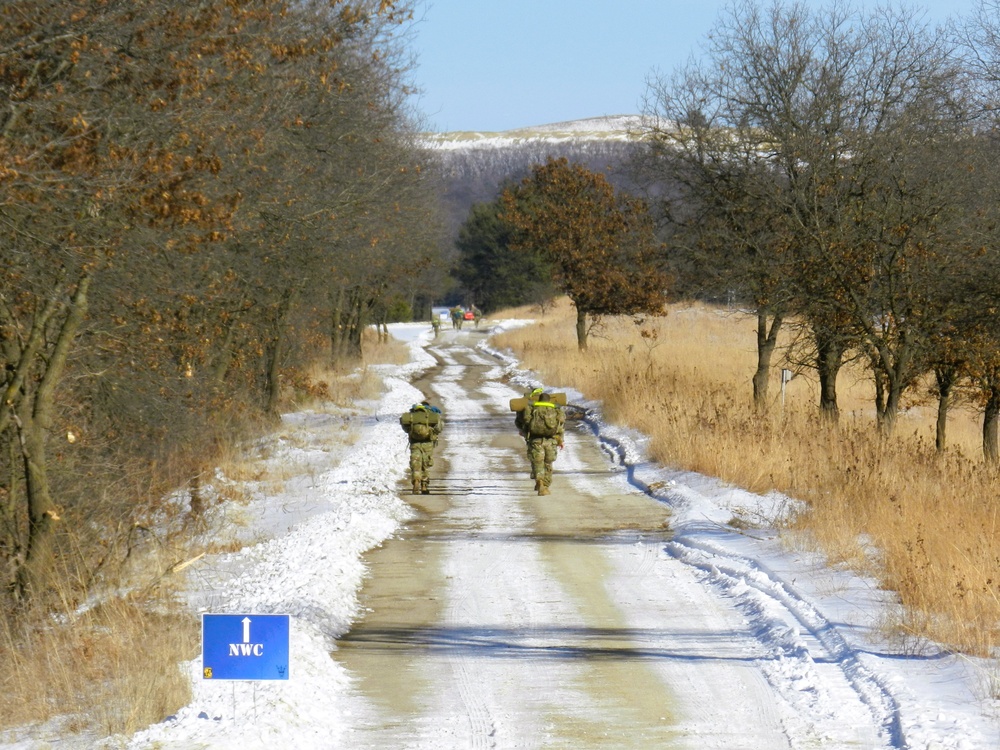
[
  {"x": 420, "y": 423},
  {"x": 421, "y": 431},
  {"x": 544, "y": 421}
]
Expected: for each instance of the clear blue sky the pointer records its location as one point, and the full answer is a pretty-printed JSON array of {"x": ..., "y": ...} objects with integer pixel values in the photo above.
[{"x": 503, "y": 64}]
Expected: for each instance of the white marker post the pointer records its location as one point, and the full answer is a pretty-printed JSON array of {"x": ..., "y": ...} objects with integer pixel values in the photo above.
[{"x": 786, "y": 376}]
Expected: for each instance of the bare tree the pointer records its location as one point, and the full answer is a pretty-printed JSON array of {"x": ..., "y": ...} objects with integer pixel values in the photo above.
[
  {"x": 831, "y": 113},
  {"x": 716, "y": 189},
  {"x": 179, "y": 184}
]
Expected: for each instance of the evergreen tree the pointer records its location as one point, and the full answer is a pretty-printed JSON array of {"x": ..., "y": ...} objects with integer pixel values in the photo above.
[{"x": 492, "y": 273}]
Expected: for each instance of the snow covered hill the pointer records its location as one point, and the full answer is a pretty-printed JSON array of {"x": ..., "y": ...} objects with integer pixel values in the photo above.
[
  {"x": 609, "y": 128},
  {"x": 475, "y": 164}
]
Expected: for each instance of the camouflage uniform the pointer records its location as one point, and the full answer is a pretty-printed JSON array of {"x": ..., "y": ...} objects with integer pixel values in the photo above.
[
  {"x": 542, "y": 449},
  {"x": 532, "y": 395},
  {"x": 422, "y": 449}
]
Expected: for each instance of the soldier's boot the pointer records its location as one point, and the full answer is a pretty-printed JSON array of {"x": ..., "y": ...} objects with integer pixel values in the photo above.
[
  {"x": 416, "y": 486},
  {"x": 424, "y": 488},
  {"x": 544, "y": 490},
  {"x": 538, "y": 484}
]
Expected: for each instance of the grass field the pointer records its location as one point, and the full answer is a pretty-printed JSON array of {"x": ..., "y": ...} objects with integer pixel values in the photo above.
[{"x": 923, "y": 524}]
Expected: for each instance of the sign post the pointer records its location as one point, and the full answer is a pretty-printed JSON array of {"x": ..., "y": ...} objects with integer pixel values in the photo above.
[
  {"x": 244, "y": 647},
  {"x": 786, "y": 377}
]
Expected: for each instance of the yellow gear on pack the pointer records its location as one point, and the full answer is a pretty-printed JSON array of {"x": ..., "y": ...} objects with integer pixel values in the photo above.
[{"x": 518, "y": 404}]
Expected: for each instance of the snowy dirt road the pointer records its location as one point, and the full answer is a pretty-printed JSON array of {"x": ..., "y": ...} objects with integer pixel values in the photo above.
[{"x": 500, "y": 619}]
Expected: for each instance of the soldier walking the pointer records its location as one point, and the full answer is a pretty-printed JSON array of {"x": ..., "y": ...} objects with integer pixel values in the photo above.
[
  {"x": 544, "y": 424},
  {"x": 531, "y": 395},
  {"x": 422, "y": 424}
]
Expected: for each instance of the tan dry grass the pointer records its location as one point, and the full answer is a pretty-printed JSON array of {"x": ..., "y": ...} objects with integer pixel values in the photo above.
[
  {"x": 923, "y": 524},
  {"x": 112, "y": 670}
]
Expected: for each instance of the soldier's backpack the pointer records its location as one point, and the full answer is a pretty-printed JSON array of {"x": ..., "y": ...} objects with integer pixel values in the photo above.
[
  {"x": 544, "y": 421},
  {"x": 420, "y": 423},
  {"x": 421, "y": 431}
]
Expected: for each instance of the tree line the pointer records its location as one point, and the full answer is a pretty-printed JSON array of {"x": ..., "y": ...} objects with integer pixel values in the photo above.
[
  {"x": 195, "y": 199},
  {"x": 833, "y": 169}
]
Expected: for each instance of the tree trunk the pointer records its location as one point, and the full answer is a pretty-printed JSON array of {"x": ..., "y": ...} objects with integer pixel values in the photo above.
[
  {"x": 356, "y": 327},
  {"x": 348, "y": 323},
  {"x": 32, "y": 428},
  {"x": 382, "y": 324},
  {"x": 224, "y": 356},
  {"x": 581, "y": 329},
  {"x": 272, "y": 375},
  {"x": 890, "y": 366},
  {"x": 946, "y": 378},
  {"x": 41, "y": 508},
  {"x": 829, "y": 358},
  {"x": 991, "y": 412},
  {"x": 337, "y": 325},
  {"x": 894, "y": 395},
  {"x": 277, "y": 351},
  {"x": 880, "y": 397},
  {"x": 767, "y": 341},
  {"x": 10, "y": 530},
  {"x": 25, "y": 354}
]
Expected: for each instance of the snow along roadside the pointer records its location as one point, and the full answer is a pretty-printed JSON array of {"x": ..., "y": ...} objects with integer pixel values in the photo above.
[{"x": 312, "y": 571}]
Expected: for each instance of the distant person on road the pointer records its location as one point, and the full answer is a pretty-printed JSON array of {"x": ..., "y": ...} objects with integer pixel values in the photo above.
[
  {"x": 544, "y": 424},
  {"x": 477, "y": 315},
  {"x": 436, "y": 324},
  {"x": 457, "y": 314},
  {"x": 422, "y": 424}
]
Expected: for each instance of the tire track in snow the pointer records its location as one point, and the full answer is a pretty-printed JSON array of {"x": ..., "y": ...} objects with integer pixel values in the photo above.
[
  {"x": 463, "y": 607},
  {"x": 776, "y": 612}
]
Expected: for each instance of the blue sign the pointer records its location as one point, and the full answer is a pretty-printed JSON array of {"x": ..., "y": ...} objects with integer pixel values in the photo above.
[{"x": 244, "y": 647}]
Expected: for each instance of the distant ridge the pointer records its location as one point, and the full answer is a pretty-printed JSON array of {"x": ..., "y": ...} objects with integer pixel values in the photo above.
[
  {"x": 607, "y": 128},
  {"x": 613, "y": 123}
]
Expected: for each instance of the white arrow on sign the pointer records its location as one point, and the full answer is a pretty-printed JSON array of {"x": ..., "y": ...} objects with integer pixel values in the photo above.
[{"x": 246, "y": 630}]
